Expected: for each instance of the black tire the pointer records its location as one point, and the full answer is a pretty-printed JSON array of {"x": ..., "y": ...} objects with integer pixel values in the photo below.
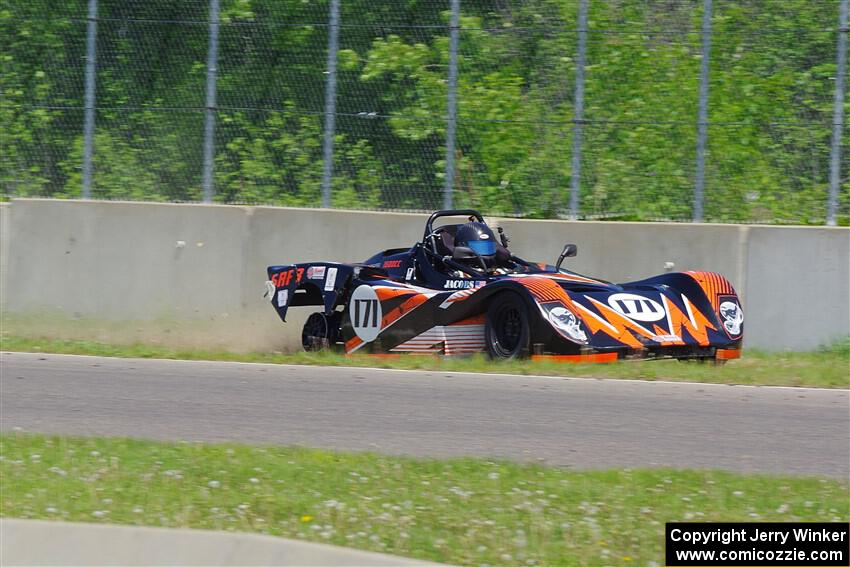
[
  {"x": 319, "y": 332},
  {"x": 507, "y": 333}
]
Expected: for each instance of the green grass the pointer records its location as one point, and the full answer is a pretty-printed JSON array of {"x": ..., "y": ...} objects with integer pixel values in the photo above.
[
  {"x": 462, "y": 511},
  {"x": 828, "y": 367}
]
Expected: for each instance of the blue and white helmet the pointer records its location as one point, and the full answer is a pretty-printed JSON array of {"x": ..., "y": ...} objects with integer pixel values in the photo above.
[{"x": 478, "y": 237}]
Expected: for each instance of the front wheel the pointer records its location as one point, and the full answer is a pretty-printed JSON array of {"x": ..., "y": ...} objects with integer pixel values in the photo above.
[{"x": 507, "y": 332}]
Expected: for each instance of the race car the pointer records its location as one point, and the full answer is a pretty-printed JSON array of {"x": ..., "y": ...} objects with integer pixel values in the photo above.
[{"x": 461, "y": 291}]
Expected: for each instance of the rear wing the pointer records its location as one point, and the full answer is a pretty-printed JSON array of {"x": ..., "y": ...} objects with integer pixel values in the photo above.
[{"x": 313, "y": 283}]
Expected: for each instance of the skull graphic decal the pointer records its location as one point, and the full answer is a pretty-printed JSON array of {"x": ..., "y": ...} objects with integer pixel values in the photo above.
[
  {"x": 565, "y": 320},
  {"x": 733, "y": 317}
]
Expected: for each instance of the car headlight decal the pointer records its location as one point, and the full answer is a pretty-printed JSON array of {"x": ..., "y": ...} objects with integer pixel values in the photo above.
[{"x": 565, "y": 320}]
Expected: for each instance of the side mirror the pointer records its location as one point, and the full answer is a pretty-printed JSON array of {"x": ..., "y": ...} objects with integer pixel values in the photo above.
[
  {"x": 463, "y": 253},
  {"x": 570, "y": 251},
  {"x": 503, "y": 237}
]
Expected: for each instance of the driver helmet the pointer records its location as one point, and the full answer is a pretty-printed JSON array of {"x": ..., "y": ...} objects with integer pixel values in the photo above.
[{"x": 478, "y": 237}]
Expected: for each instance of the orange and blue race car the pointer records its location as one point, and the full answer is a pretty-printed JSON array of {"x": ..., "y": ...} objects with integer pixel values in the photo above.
[{"x": 461, "y": 291}]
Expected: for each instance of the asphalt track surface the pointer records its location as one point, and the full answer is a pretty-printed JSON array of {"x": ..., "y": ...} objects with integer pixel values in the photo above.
[{"x": 576, "y": 423}]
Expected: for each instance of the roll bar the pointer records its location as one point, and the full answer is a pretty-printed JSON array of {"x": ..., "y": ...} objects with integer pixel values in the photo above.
[{"x": 429, "y": 226}]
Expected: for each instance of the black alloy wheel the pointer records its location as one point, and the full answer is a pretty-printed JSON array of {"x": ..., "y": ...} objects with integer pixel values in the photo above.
[
  {"x": 507, "y": 331},
  {"x": 316, "y": 334}
]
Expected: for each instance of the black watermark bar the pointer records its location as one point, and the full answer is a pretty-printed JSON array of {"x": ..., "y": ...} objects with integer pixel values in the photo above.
[{"x": 811, "y": 544}]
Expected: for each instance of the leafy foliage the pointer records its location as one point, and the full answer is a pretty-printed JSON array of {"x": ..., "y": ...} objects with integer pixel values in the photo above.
[{"x": 772, "y": 75}]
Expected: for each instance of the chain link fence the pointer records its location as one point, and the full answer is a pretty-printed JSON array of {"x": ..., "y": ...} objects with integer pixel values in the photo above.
[{"x": 556, "y": 109}]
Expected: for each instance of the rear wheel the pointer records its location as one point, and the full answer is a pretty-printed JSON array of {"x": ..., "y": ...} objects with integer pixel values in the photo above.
[
  {"x": 507, "y": 332},
  {"x": 319, "y": 332}
]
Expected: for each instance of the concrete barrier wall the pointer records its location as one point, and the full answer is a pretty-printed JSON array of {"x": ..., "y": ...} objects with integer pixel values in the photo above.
[
  {"x": 628, "y": 251},
  {"x": 797, "y": 289},
  {"x": 5, "y": 231},
  {"x": 193, "y": 275}
]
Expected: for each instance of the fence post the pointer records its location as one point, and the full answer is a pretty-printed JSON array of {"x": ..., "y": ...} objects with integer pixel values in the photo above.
[
  {"x": 330, "y": 105},
  {"x": 578, "y": 111},
  {"x": 209, "y": 123},
  {"x": 838, "y": 118},
  {"x": 702, "y": 120},
  {"x": 91, "y": 70},
  {"x": 451, "y": 107}
]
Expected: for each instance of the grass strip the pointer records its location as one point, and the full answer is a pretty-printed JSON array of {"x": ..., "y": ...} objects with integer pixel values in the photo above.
[
  {"x": 461, "y": 511},
  {"x": 828, "y": 367}
]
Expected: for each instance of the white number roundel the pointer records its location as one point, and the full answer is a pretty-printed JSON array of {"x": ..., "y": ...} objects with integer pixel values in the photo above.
[
  {"x": 364, "y": 311},
  {"x": 636, "y": 307}
]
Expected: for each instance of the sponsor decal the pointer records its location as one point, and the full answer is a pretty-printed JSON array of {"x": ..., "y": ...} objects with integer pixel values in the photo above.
[
  {"x": 732, "y": 316},
  {"x": 565, "y": 320},
  {"x": 636, "y": 307},
  {"x": 331, "y": 279},
  {"x": 460, "y": 284},
  {"x": 283, "y": 279},
  {"x": 315, "y": 272},
  {"x": 282, "y": 297},
  {"x": 269, "y": 290},
  {"x": 667, "y": 338},
  {"x": 409, "y": 275},
  {"x": 392, "y": 264},
  {"x": 364, "y": 312}
]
